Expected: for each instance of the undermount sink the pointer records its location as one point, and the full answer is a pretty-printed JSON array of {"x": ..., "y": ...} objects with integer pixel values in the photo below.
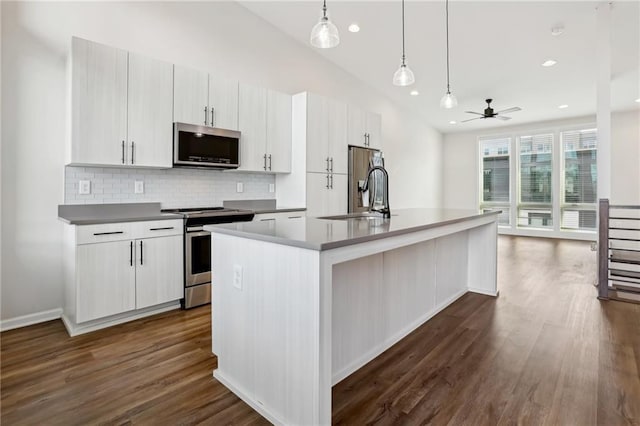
[{"x": 359, "y": 216}]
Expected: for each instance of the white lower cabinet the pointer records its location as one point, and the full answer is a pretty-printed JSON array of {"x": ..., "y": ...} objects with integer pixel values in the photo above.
[
  {"x": 121, "y": 268},
  {"x": 326, "y": 194}
]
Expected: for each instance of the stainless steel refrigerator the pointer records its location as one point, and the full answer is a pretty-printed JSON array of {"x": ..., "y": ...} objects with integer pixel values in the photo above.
[{"x": 360, "y": 161}]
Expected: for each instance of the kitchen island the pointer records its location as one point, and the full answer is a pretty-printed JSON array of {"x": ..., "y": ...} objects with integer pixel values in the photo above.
[{"x": 300, "y": 304}]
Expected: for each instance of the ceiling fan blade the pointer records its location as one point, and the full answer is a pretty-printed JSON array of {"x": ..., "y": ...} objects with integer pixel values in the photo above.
[
  {"x": 472, "y": 112},
  {"x": 502, "y": 117},
  {"x": 514, "y": 109},
  {"x": 471, "y": 119}
]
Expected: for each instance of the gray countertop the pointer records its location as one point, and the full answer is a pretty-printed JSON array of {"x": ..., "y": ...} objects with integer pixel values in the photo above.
[
  {"x": 324, "y": 234},
  {"x": 92, "y": 214}
]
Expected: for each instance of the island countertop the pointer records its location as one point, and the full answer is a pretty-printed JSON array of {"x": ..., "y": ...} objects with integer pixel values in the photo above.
[{"x": 326, "y": 234}]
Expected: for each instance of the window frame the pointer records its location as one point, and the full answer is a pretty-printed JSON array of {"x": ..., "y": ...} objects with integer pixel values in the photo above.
[{"x": 496, "y": 205}]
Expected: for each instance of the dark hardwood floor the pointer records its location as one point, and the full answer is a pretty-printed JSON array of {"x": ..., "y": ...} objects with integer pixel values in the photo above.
[{"x": 545, "y": 352}]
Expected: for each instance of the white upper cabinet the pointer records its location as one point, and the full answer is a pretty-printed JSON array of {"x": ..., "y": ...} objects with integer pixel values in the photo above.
[
  {"x": 327, "y": 149},
  {"x": 365, "y": 128},
  {"x": 374, "y": 130},
  {"x": 252, "y": 123},
  {"x": 190, "y": 96},
  {"x": 150, "y": 106},
  {"x": 98, "y": 104},
  {"x": 278, "y": 132},
  {"x": 204, "y": 99},
  {"x": 121, "y": 107},
  {"x": 264, "y": 121},
  {"x": 223, "y": 102}
]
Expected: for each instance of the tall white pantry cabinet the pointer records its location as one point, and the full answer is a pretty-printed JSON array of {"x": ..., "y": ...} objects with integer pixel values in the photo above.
[{"x": 121, "y": 107}]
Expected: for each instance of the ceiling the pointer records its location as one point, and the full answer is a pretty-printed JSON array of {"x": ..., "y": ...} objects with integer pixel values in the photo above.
[{"x": 497, "y": 49}]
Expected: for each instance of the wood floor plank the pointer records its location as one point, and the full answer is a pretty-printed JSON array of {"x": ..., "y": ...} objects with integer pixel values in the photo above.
[{"x": 546, "y": 351}]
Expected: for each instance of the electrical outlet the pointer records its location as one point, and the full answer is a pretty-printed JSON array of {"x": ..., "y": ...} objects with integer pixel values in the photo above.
[
  {"x": 139, "y": 187},
  {"x": 84, "y": 187},
  {"x": 237, "y": 277},
  {"x": 272, "y": 188},
  {"x": 239, "y": 187},
  {"x": 594, "y": 246}
]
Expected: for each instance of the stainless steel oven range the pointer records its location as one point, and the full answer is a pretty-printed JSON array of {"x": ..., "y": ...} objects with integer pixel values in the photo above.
[{"x": 197, "y": 249}]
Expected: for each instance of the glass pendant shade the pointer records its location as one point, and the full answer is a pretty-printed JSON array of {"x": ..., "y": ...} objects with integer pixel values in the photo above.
[
  {"x": 403, "y": 76},
  {"x": 448, "y": 101},
  {"x": 324, "y": 34}
]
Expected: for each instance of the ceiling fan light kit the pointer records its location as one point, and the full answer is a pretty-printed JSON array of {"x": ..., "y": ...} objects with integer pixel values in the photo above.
[
  {"x": 448, "y": 101},
  {"x": 324, "y": 34},
  {"x": 403, "y": 76}
]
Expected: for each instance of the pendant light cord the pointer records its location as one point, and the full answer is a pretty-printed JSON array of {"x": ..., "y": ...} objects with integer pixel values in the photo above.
[
  {"x": 324, "y": 8},
  {"x": 403, "y": 56},
  {"x": 447, "y": 15}
]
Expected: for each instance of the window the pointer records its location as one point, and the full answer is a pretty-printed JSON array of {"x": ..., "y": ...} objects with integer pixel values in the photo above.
[
  {"x": 495, "y": 166},
  {"x": 580, "y": 179},
  {"x": 535, "y": 207}
]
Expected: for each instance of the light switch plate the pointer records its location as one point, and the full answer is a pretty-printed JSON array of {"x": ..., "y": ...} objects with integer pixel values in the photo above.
[
  {"x": 139, "y": 187},
  {"x": 237, "y": 276},
  {"x": 239, "y": 187},
  {"x": 84, "y": 187},
  {"x": 272, "y": 188}
]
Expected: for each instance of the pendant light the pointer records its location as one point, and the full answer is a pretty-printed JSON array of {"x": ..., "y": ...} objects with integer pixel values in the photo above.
[
  {"x": 324, "y": 34},
  {"x": 403, "y": 76},
  {"x": 448, "y": 100}
]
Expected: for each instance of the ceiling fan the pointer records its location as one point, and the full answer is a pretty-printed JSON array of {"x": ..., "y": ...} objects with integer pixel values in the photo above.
[{"x": 489, "y": 113}]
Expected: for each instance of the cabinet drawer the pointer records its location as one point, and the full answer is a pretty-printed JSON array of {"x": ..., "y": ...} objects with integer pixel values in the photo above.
[
  {"x": 158, "y": 228},
  {"x": 104, "y": 232},
  {"x": 283, "y": 215}
]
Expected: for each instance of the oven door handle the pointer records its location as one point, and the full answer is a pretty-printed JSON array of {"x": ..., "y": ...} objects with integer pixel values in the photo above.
[{"x": 197, "y": 234}]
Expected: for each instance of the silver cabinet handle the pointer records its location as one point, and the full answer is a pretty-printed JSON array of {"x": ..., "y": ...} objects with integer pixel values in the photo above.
[
  {"x": 331, "y": 177},
  {"x": 213, "y": 113},
  {"x": 269, "y": 161},
  {"x": 141, "y": 252},
  {"x": 365, "y": 139},
  {"x": 108, "y": 233},
  {"x": 161, "y": 229},
  {"x": 205, "y": 115},
  {"x": 122, "y": 152},
  {"x": 130, "y": 253},
  {"x": 327, "y": 160},
  {"x": 331, "y": 169},
  {"x": 267, "y": 220},
  {"x": 133, "y": 148},
  {"x": 328, "y": 182},
  {"x": 265, "y": 162}
]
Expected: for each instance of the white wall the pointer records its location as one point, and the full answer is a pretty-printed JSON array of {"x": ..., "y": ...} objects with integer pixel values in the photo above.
[
  {"x": 216, "y": 36},
  {"x": 460, "y": 175}
]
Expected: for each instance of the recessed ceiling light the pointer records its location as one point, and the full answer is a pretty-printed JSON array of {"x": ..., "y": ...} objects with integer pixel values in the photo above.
[
  {"x": 556, "y": 31},
  {"x": 638, "y": 100},
  {"x": 414, "y": 93},
  {"x": 453, "y": 122},
  {"x": 354, "y": 28},
  {"x": 563, "y": 106},
  {"x": 549, "y": 63}
]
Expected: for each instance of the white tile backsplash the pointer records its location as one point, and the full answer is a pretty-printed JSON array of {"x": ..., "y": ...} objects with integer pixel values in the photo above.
[{"x": 173, "y": 187}]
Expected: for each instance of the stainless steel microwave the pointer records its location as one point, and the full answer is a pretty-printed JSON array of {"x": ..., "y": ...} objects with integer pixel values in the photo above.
[{"x": 205, "y": 147}]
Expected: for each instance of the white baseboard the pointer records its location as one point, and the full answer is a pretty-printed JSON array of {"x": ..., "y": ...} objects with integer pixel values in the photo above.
[
  {"x": 25, "y": 320},
  {"x": 483, "y": 291}
]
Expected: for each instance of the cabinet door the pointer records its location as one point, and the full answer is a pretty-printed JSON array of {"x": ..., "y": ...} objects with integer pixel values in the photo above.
[
  {"x": 337, "y": 195},
  {"x": 357, "y": 121},
  {"x": 338, "y": 145},
  {"x": 317, "y": 134},
  {"x": 159, "y": 270},
  {"x": 98, "y": 103},
  {"x": 279, "y": 132},
  {"x": 190, "y": 95},
  {"x": 317, "y": 193},
  {"x": 105, "y": 279},
  {"x": 252, "y": 123},
  {"x": 150, "y": 105},
  {"x": 374, "y": 129},
  {"x": 223, "y": 102}
]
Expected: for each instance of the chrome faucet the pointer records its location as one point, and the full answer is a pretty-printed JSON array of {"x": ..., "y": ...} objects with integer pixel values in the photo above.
[{"x": 385, "y": 210}]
